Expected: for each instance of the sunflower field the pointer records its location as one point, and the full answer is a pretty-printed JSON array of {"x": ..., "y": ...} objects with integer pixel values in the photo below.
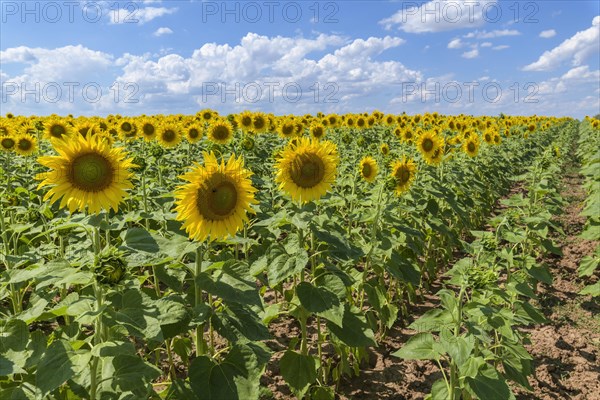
[{"x": 191, "y": 256}]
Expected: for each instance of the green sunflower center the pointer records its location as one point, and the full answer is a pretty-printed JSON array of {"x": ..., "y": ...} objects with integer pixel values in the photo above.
[
  {"x": 217, "y": 198},
  {"x": 367, "y": 170},
  {"x": 308, "y": 170},
  {"x": 169, "y": 135},
  {"x": 91, "y": 172},
  {"x": 25, "y": 144},
  {"x": 57, "y": 131},
  {"x": 8, "y": 143},
  {"x": 427, "y": 145}
]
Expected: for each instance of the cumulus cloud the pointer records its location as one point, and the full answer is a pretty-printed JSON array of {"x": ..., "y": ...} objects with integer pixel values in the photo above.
[
  {"x": 576, "y": 49},
  {"x": 455, "y": 44},
  {"x": 162, "y": 31},
  {"x": 491, "y": 34},
  {"x": 471, "y": 53},
  {"x": 439, "y": 16},
  {"x": 548, "y": 34}
]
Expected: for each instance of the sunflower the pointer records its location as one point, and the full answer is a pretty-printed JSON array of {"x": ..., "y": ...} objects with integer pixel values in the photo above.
[
  {"x": 429, "y": 144},
  {"x": 55, "y": 129},
  {"x": 488, "y": 136},
  {"x": 87, "y": 172},
  {"x": 368, "y": 168},
  {"x": 245, "y": 121},
  {"x": 148, "y": 129},
  {"x": 317, "y": 130},
  {"x": 207, "y": 115},
  {"x": 403, "y": 173},
  {"x": 385, "y": 149},
  {"x": 471, "y": 145},
  {"x": 7, "y": 143},
  {"x": 127, "y": 130},
  {"x": 193, "y": 133},
  {"x": 389, "y": 120},
  {"x": 220, "y": 131},
  {"x": 333, "y": 119},
  {"x": 407, "y": 135},
  {"x": 286, "y": 128},
  {"x": 307, "y": 168},
  {"x": 25, "y": 144},
  {"x": 260, "y": 122},
  {"x": 85, "y": 128},
  {"x": 215, "y": 201},
  {"x": 169, "y": 135},
  {"x": 496, "y": 139},
  {"x": 361, "y": 122}
]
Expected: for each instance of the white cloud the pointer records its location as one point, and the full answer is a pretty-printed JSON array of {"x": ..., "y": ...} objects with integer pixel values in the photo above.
[
  {"x": 492, "y": 34},
  {"x": 162, "y": 31},
  {"x": 439, "y": 15},
  {"x": 140, "y": 15},
  {"x": 548, "y": 34},
  {"x": 501, "y": 47},
  {"x": 577, "y": 48},
  {"x": 471, "y": 53},
  {"x": 486, "y": 44},
  {"x": 455, "y": 44}
]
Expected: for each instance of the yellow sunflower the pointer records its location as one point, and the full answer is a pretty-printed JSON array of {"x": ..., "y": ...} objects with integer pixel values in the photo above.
[
  {"x": 307, "y": 168},
  {"x": 87, "y": 172},
  {"x": 317, "y": 130},
  {"x": 127, "y": 130},
  {"x": 25, "y": 144},
  {"x": 287, "y": 128},
  {"x": 260, "y": 122},
  {"x": 385, "y": 149},
  {"x": 148, "y": 129},
  {"x": 220, "y": 131},
  {"x": 245, "y": 121},
  {"x": 403, "y": 173},
  {"x": 7, "y": 143},
  {"x": 215, "y": 201},
  {"x": 169, "y": 135},
  {"x": 429, "y": 144},
  {"x": 368, "y": 168},
  {"x": 56, "y": 129},
  {"x": 471, "y": 145},
  {"x": 207, "y": 115},
  {"x": 193, "y": 133}
]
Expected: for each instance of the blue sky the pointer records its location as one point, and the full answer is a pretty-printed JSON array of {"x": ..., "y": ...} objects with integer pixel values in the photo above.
[{"x": 451, "y": 56}]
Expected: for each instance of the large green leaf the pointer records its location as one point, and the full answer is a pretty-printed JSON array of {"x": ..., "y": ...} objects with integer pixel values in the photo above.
[
  {"x": 299, "y": 371},
  {"x": 140, "y": 239},
  {"x": 419, "y": 347},
  {"x": 489, "y": 384},
  {"x": 59, "y": 364},
  {"x": 316, "y": 299},
  {"x": 354, "y": 331},
  {"x": 132, "y": 373}
]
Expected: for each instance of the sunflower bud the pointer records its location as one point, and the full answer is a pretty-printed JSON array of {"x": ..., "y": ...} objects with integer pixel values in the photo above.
[
  {"x": 248, "y": 143},
  {"x": 110, "y": 267},
  {"x": 157, "y": 151},
  {"x": 140, "y": 162}
]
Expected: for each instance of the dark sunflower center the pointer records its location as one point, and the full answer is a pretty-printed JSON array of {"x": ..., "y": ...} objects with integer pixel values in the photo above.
[
  {"x": 220, "y": 132},
  {"x": 471, "y": 146},
  {"x": 366, "y": 170},
  {"x": 148, "y": 129},
  {"x": 57, "y": 131},
  {"x": 287, "y": 130},
  {"x": 318, "y": 132},
  {"x": 8, "y": 143},
  {"x": 385, "y": 150},
  {"x": 91, "y": 172},
  {"x": 488, "y": 138},
  {"x": 25, "y": 144},
  {"x": 126, "y": 127},
  {"x": 496, "y": 139},
  {"x": 169, "y": 135},
  {"x": 217, "y": 199},
  {"x": 308, "y": 170},
  {"x": 360, "y": 122},
  {"x": 403, "y": 175},
  {"x": 207, "y": 116},
  {"x": 193, "y": 133},
  {"x": 259, "y": 123},
  {"x": 427, "y": 144},
  {"x": 246, "y": 121}
]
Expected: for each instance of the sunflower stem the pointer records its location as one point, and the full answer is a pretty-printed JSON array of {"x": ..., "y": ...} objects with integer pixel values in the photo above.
[{"x": 201, "y": 347}]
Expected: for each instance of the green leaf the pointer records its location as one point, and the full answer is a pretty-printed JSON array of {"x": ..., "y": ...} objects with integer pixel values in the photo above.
[
  {"x": 354, "y": 331},
  {"x": 131, "y": 372},
  {"x": 588, "y": 265},
  {"x": 540, "y": 273},
  {"x": 14, "y": 335},
  {"x": 488, "y": 384},
  {"x": 283, "y": 265},
  {"x": 439, "y": 390},
  {"x": 59, "y": 364},
  {"x": 316, "y": 299},
  {"x": 228, "y": 288},
  {"x": 593, "y": 290},
  {"x": 432, "y": 320},
  {"x": 527, "y": 314},
  {"x": 173, "y": 316},
  {"x": 140, "y": 239},
  {"x": 418, "y": 347},
  {"x": 299, "y": 371}
]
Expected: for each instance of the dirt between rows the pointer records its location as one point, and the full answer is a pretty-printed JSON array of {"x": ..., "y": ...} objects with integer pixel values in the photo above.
[{"x": 566, "y": 350}]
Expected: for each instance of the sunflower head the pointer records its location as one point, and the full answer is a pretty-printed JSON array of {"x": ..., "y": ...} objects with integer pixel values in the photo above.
[
  {"x": 25, "y": 144},
  {"x": 148, "y": 129},
  {"x": 286, "y": 128},
  {"x": 169, "y": 135},
  {"x": 260, "y": 122},
  {"x": 430, "y": 145},
  {"x": 193, "y": 133},
  {"x": 110, "y": 267},
  {"x": 7, "y": 143},
  {"x": 385, "y": 149},
  {"x": 216, "y": 200},
  {"x": 220, "y": 131},
  {"x": 403, "y": 173},
  {"x": 88, "y": 172},
  {"x": 317, "y": 130},
  {"x": 56, "y": 129},
  {"x": 471, "y": 145},
  {"x": 245, "y": 121},
  {"x": 368, "y": 168},
  {"x": 127, "y": 130},
  {"x": 306, "y": 170}
]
